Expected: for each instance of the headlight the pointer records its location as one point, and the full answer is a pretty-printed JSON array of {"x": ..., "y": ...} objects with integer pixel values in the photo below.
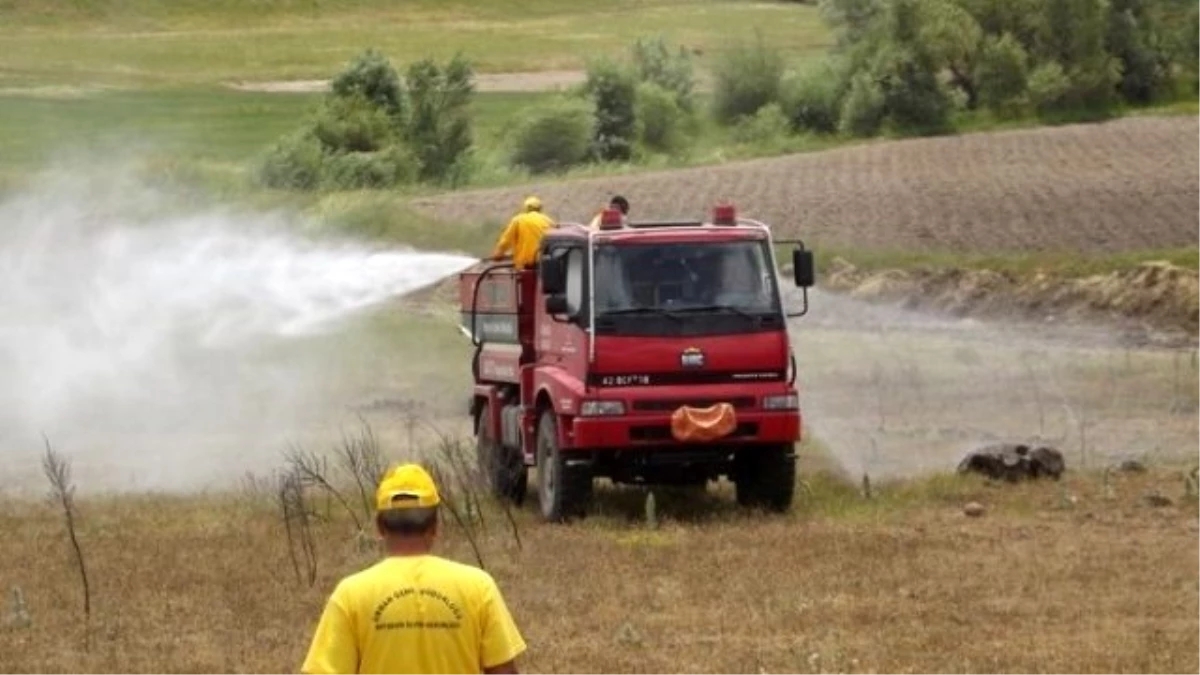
[
  {"x": 782, "y": 402},
  {"x": 601, "y": 408}
]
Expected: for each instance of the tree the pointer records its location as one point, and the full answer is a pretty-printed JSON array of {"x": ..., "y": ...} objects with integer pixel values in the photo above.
[
  {"x": 952, "y": 38},
  {"x": 1002, "y": 74},
  {"x": 1136, "y": 39},
  {"x": 614, "y": 91},
  {"x": 439, "y": 125}
]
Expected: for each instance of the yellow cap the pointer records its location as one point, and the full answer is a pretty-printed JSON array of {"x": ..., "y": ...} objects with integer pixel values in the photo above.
[
  {"x": 533, "y": 204},
  {"x": 405, "y": 487}
]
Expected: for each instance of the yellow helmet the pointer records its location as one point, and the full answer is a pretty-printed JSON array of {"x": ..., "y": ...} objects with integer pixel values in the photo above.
[{"x": 533, "y": 204}]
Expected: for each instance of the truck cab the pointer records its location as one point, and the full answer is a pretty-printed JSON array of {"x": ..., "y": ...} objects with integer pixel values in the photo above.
[{"x": 645, "y": 353}]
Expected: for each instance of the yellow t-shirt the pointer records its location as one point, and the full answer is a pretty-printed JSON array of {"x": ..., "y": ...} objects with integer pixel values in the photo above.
[
  {"x": 414, "y": 614},
  {"x": 523, "y": 237}
]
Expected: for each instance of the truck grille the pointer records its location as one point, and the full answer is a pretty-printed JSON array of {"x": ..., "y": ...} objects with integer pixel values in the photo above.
[
  {"x": 671, "y": 404},
  {"x": 658, "y": 433}
]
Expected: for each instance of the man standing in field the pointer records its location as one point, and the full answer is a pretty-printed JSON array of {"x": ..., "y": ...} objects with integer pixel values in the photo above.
[
  {"x": 523, "y": 236},
  {"x": 414, "y": 612}
]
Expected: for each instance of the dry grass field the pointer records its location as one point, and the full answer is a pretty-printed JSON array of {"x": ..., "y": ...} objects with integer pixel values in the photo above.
[
  {"x": 1096, "y": 573},
  {"x": 1118, "y": 186},
  {"x": 1079, "y": 576}
]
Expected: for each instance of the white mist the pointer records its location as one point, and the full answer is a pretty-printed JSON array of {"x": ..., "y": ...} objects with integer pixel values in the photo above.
[{"x": 122, "y": 315}]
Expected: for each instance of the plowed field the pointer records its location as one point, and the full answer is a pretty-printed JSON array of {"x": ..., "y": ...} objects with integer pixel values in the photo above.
[{"x": 1121, "y": 185}]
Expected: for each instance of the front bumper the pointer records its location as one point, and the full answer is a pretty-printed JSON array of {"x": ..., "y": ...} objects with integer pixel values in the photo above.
[{"x": 638, "y": 430}]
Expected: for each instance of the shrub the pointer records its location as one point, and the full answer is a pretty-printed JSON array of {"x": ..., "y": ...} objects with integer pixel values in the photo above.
[
  {"x": 352, "y": 123},
  {"x": 864, "y": 107},
  {"x": 613, "y": 91},
  {"x": 372, "y": 76},
  {"x": 294, "y": 163},
  {"x": 1002, "y": 74},
  {"x": 765, "y": 126},
  {"x": 746, "y": 78},
  {"x": 554, "y": 136},
  {"x": 439, "y": 126},
  {"x": 1048, "y": 85},
  {"x": 1184, "y": 45},
  {"x": 1136, "y": 36},
  {"x": 657, "y": 64},
  {"x": 660, "y": 120},
  {"x": 812, "y": 97},
  {"x": 369, "y": 170},
  {"x": 915, "y": 100}
]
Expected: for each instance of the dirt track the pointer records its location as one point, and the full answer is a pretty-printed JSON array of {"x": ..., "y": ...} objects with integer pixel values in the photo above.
[
  {"x": 548, "y": 80},
  {"x": 1116, "y": 186}
]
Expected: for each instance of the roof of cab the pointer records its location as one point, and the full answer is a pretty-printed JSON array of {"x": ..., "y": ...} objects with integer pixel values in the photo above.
[{"x": 664, "y": 234}]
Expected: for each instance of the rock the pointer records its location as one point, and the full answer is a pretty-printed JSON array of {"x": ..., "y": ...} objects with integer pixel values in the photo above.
[
  {"x": 627, "y": 634},
  {"x": 973, "y": 510},
  {"x": 1014, "y": 461},
  {"x": 1156, "y": 500},
  {"x": 1132, "y": 466}
]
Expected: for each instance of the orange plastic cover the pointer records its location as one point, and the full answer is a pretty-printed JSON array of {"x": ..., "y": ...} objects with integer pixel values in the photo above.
[{"x": 697, "y": 425}]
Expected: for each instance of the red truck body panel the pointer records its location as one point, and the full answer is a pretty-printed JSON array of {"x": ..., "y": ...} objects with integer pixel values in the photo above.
[{"x": 551, "y": 362}]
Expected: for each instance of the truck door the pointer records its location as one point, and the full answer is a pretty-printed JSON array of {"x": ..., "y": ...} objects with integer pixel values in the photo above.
[{"x": 562, "y": 339}]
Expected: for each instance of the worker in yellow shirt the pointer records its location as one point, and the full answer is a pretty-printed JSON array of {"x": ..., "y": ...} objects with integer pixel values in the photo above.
[
  {"x": 414, "y": 612},
  {"x": 523, "y": 236}
]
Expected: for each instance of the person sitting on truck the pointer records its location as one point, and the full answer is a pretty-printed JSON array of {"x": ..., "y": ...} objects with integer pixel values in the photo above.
[
  {"x": 617, "y": 202},
  {"x": 523, "y": 235},
  {"x": 414, "y": 611}
]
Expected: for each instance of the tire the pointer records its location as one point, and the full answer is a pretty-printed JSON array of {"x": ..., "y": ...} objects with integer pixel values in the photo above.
[
  {"x": 564, "y": 492},
  {"x": 503, "y": 469},
  {"x": 766, "y": 477}
]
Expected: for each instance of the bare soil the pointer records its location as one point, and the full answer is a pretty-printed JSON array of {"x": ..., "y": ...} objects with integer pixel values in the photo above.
[{"x": 1128, "y": 184}]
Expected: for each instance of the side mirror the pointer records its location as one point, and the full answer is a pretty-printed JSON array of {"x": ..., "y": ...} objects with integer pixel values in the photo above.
[
  {"x": 553, "y": 270},
  {"x": 557, "y": 304},
  {"x": 804, "y": 268}
]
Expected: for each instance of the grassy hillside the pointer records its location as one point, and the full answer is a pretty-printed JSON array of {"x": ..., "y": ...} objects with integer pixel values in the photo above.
[{"x": 151, "y": 42}]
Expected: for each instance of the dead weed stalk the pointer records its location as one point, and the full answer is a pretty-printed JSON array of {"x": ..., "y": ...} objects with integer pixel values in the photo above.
[
  {"x": 297, "y": 516},
  {"x": 62, "y": 492}
]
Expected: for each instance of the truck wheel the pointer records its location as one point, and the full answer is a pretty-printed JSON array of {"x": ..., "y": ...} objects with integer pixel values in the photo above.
[
  {"x": 766, "y": 477},
  {"x": 503, "y": 468},
  {"x": 565, "y": 492}
]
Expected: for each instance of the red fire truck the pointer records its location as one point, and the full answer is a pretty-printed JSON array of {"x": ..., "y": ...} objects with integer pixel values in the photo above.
[{"x": 650, "y": 353}]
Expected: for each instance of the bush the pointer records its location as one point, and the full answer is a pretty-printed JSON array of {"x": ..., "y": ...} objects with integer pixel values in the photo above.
[
  {"x": 1048, "y": 85},
  {"x": 369, "y": 170},
  {"x": 914, "y": 99},
  {"x": 660, "y": 120},
  {"x": 294, "y": 163},
  {"x": 1002, "y": 75},
  {"x": 767, "y": 125},
  {"x": 672, "y": 71},
  {"x": 746, "y": 77},
  {"x": 352, "y": 123},
  {"x": 554, "y": 136},
  {"x": 372, "y": 76},
  {"x": 812, "y": 98},
  {"x": 864, "y": 108},
  {"x": 1184, "y": 44},
  {"x": 439, "y": 127},
  {"x": 613, "y": 90},
  {"x": 1136, "y": 36}
]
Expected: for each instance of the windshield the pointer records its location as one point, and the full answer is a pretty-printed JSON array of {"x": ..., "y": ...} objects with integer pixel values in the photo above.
[{"x": 676, "y": 282}]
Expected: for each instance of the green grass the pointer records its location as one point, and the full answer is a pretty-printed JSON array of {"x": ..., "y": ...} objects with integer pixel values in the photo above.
[
  {"x": 145, "y": 42},
  {"x": 203, "y": 125}
]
